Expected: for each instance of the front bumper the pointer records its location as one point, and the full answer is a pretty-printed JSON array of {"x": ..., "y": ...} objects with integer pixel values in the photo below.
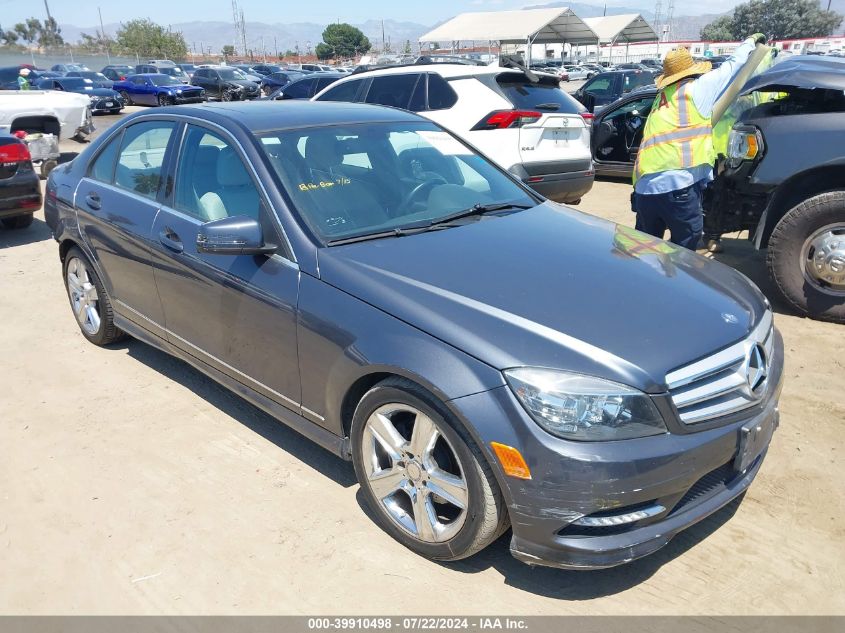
[
  {"x": 193, "y": 97},
  {"x": 102, "y": 105},
  {"x": 691, "y": 474}
]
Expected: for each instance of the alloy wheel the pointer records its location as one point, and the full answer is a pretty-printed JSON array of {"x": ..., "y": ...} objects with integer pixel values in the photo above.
[
  {"x": 83, "y": 296},
  {"x": 414, "y": 473}
]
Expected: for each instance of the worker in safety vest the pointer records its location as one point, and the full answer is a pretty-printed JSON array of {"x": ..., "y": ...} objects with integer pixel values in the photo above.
[
  {"x": 23, "y": 79},
  {"x": 676, "y": 156}
]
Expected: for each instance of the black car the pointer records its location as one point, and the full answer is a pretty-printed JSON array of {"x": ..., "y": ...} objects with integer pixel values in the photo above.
[
  {"x": 98, "y": 80},
  {"x": 367, "y": 278},
  {"x": 9, "y": 76},
  {"x": 225, "y": 83},
  {"x": 607, "y": 87},
  {"x": 306, "y": 86},
  {"x": 618, "y": 132},
  {"x": 271, "y": 83},
  {"x": 102, "y": 99},
  {"x": 266, "y": 69},
  {"x": 20, "y": 191},
  {"x": 118, "y": 72}
]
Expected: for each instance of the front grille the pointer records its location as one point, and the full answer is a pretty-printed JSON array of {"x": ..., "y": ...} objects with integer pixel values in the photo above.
[{"x": 726, "y": 382}]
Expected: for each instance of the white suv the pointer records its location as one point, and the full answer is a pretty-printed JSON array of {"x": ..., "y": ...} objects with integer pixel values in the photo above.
[{"x": 533, "y": 129}]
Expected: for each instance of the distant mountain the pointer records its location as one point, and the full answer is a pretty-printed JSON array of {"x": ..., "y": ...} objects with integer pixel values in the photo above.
[{"x": 215, "y": 35}]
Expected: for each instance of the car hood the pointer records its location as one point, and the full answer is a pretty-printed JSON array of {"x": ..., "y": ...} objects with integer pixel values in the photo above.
[
  {"x": 99, "y": 92},
  {"x": 181, "y": 87},
  {"x": 554, "y": 287},
  {"x": 246, "y": 83},
  {"x": 804, "y": 71}
]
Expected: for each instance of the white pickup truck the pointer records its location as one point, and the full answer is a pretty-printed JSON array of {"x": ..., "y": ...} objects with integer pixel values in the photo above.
[{"x": 65, "y": 114}]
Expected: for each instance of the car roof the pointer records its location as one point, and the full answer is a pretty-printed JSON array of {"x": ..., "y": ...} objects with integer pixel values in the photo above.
[
  {"x": 445, "y": 70},
  {"x": 322, "y": 75},
  {"x": 267, "y": 116}
]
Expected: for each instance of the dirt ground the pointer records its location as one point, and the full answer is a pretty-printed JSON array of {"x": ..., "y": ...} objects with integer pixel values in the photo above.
[{"x": 130, "y": 483}]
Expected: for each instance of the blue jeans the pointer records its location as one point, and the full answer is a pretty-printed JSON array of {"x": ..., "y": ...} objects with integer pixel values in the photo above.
[{"x": 679, "y": 211}]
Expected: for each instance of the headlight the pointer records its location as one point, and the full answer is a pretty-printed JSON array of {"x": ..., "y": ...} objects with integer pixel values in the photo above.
[
  {"x": 178, "y": 91},
  {"x": 744, "y": 144},
  {"x": 578, "y": 407}
]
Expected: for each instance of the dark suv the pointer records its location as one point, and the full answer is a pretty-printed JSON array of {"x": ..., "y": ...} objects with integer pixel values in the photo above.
[
  {"x": 783, "y": 181},
  {"x": 605, "y": 88}
]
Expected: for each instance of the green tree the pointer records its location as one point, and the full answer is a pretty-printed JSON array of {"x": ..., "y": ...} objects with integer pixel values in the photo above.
[
  {"x": 228, "y": 51},
  {"x": 148, "y": 39},
  {"x": 50, "y": 35},
  {"x": 342, "y": 40},
  {"x": 28, "y": 31},
  {"x": 407, "y": 48},
  {"x": 8, "y": 37},
  {"x": 97, "y": 43},
  {"x": 719, "y": 30},
  {"x": 777, "y": 19}
]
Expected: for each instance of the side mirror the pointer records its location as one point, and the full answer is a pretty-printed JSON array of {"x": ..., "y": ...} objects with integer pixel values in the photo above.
[{"x": 236, "y": 235}]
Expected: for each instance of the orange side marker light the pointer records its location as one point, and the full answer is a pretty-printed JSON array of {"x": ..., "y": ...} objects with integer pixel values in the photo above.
[{"x": 511, "y": 460}]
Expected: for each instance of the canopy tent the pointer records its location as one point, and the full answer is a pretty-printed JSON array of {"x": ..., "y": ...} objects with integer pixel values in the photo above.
[
  {"x": 621, "y": 29},
  {"x": 529, "y": 26}
]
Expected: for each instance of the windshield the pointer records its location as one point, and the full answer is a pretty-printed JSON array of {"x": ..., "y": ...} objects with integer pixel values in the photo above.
[
  {"x": 231, "y": 74},
  {"x": 174, "y": 72},
  {"x": 95, "y": 76},
  {"x": 164, "y": 80},
  {"x": 369, "y": 178}
]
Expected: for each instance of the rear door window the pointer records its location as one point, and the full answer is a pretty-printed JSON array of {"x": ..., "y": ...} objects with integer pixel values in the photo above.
[
  {"x": 142, "y": 156},
  {"x": 103, "y": 167},
  {"x": 545, "y": 94},
  {"x": 635, "y": 80},
  {"x": 393, "y": 90},
  {"x": 299, "y": 89},
  {"x": 345, "y": 91}
]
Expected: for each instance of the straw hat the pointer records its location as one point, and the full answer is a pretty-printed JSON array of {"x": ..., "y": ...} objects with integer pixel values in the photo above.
[{"x": 679, "y": 64}]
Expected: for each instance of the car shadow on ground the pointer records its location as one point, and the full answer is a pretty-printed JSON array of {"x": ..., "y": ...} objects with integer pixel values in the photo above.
[
  {"x": 38, "y": 231},
  {"x": 326, "y": 463},
  {"x": 565, "y": 584}
]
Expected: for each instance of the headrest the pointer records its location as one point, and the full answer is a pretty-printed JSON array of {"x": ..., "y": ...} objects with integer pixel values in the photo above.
[
  {"x": 323, "y": 151},
  {"x": 230, "y": 169}
]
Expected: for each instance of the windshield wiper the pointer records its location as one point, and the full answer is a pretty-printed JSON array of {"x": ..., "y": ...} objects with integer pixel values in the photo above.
[
  {"x": 547, "y": 106},
  {"x": 479, "y": 209},
  {"x": 430, "y": 225}
]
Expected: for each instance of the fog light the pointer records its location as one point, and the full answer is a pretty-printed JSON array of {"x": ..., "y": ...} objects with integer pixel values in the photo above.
[
  {"x": 619, "y": 519},
  {"x": 511, "y": 460}
]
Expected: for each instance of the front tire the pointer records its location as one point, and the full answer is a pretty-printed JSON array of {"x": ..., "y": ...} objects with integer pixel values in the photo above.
[
  {"x": 163, "y": 100},
  {"x": 806, "y": 256},
  {"x": 127, "y": 100},
  {"x": 428, "y": 484},
  {"x": 89, "y": 300}
]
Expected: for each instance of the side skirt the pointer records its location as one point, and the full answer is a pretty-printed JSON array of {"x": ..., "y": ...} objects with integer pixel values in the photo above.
[{"x": 331, "y": 442}]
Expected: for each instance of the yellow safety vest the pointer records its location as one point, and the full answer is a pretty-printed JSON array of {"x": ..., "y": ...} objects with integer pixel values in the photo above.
[{"x": 676, "y": 135}]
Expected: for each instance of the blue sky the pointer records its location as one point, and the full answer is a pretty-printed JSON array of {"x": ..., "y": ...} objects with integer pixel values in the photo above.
[{"x": 269, "y": 11}]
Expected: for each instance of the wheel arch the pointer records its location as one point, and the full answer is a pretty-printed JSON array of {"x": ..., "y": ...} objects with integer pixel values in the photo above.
[
  {"x": 795, "y": 190},
  {"x": 45, "y": 123}
]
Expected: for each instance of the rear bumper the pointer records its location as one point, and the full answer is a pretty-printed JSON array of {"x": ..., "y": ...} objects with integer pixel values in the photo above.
[
  {"x": 20, "y": 195},
  {"x": 559, "y": 181}
]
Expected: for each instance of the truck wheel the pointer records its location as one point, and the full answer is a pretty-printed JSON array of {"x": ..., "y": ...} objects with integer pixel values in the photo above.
[
  {"x": 46, "y": 167},
  {"x": 427, "y": 483},
  {"x": 806, "y": 256},
  {"x": 18, "y": 222}
]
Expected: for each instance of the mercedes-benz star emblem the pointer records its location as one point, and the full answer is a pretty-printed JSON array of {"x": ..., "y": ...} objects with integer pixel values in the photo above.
[{"x": 756, "y": 369}]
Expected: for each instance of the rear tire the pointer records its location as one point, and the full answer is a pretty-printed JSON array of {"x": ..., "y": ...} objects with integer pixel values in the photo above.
[
  {"x": 89, "y": 300},
  {"x": 18, "y": 222},
  {"x": 806, "y": 256},
  {"x": 445, "y": 529}
]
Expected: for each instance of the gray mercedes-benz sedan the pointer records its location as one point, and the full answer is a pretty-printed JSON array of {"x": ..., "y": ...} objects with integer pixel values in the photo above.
[{"x": 487, "y": 359}]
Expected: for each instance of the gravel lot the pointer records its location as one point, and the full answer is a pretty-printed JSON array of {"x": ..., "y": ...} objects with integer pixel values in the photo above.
[{"x": 133, "y": 484}]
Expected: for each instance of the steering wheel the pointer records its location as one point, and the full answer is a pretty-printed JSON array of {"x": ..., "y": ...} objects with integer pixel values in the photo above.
[{"x": 423, "y": 187}]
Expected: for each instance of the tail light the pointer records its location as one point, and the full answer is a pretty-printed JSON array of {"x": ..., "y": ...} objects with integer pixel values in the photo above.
[
  {"x": 502, "y": 119},
  {"x": 588, "y": 116},
  {"x": 14, "y": 153}
]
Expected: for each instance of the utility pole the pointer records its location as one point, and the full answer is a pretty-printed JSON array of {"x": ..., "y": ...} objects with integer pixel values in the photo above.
[
  {"x": 102, "y": 34},
  {"x": 382, "y": 37},
  {"x": 276, "y": 47},
  {"x": 669, "y": 15}
]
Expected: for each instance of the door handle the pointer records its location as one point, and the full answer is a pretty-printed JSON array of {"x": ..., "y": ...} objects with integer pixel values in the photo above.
[
  {"x": 93, "y": 200},
  {"x": 170, "y": 239}
]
